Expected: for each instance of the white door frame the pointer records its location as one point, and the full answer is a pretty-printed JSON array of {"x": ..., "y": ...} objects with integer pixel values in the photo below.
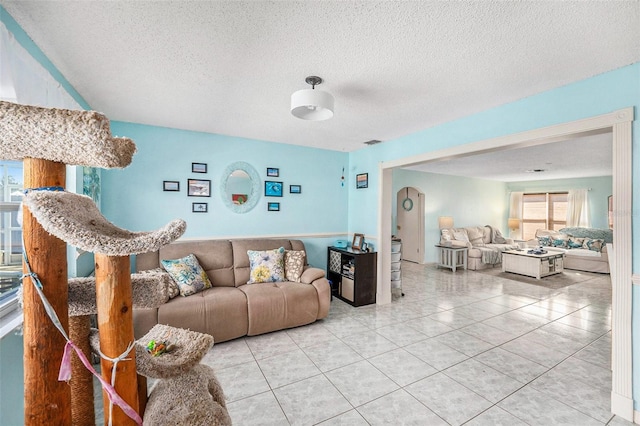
[{"x": 620, "y": 124}]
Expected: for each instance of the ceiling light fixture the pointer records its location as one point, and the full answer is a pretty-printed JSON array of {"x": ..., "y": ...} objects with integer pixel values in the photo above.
[
  {"x": 311, "y": 104},
  {"x": 535, "y": 170}
]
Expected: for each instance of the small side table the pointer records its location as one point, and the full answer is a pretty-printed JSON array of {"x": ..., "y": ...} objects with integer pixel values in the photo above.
[{"x": 452, "y": 257}]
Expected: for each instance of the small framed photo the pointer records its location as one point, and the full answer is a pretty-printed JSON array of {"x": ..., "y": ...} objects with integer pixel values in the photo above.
[
  {"x": 362, "y": 180},
  {"x": 198, "y": 168},
  {"x": 273, "y": 207},
  {"x": 358, "y": 241},
  {"x": 295, "y": 189},
  {"x": 199, "y": 188},
  {"x": 272, "y": 189},
  {"x": 273, "y": 172},
  {"x": 171, "y": 185},
  {"x": 199, "y": 207}
]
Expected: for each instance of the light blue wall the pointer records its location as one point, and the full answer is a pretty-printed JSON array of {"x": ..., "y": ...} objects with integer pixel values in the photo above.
[
  {"x": 469, "y": 201},
  {"x": 133, "y": 197},
  {"x": 601, "y": 187}
]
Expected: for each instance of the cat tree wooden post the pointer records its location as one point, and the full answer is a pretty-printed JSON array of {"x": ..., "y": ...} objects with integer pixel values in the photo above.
[
  {"x": 46, "y": 400},
  {"x": 115, "y": 322}
]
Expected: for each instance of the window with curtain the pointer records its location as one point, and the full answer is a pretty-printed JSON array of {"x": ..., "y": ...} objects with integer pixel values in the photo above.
[{"x": 547, "y": 210}]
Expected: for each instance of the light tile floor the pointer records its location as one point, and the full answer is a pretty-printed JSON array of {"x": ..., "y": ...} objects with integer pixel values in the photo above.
[{"x": 459, "y": 348}]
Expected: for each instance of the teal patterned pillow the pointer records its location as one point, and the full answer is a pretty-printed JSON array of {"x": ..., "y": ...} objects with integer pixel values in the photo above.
[
  {"x": 545, "y": 241},
  {"x": 593, "y": 245},
  {"x": 266, "y": 266},
  {"x": 188, "y": 274},
  {"x": 559, "y": 242},
  {"x": 575, "y": 243}
]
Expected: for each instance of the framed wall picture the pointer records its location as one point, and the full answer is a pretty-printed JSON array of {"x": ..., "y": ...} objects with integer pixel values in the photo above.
[
  {"x": 273, "y": 172},
  {"x": 272, "y": 189},
  {"x": 199, "y": 188},
  {"x": 362, "y": 180},
  {"x": 273, "y": 207},
  {"x": 171, "y": 185},
  {"x": 198, "y": 168},
  {"x": 295, "y": 189},
  {"x": 199, "y": 207},
  {"x": 358, "y": 241}
]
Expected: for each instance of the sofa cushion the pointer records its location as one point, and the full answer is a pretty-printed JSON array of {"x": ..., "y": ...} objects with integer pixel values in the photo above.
[
  {"x": 218, "y": 311},
  {"x": 266, "y": 266},
  {"x": 215, "y": 257},
  {"x": 188, "y": 274},
  {"x": 293, "y": 265},
  {"x": 274, "y": 306}
]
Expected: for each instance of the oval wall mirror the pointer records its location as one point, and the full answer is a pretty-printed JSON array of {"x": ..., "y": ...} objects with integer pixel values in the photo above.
[{"x": 240, "y": 187}]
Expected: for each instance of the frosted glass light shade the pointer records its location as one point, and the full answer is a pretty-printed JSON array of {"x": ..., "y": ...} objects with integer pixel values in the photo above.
[
  {"x": 513, "y": 223},
  {"x": 445, "y": 222},
  {"x": 311, "y": 104}
]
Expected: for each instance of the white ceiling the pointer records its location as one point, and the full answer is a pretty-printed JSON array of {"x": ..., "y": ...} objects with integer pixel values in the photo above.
[
  {"x": 394, "y": 68},
  {"x": 585, "y": 156}
]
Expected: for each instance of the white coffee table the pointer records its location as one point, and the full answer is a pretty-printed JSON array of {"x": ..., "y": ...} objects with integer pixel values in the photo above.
[{"x": 533, "y": 265}]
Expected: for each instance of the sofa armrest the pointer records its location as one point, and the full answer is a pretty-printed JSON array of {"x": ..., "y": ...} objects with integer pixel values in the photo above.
[
  {"x": 324, "y": 296},
  {"x": 509, "y": 241},
  {"x": 311, "y": 274}
]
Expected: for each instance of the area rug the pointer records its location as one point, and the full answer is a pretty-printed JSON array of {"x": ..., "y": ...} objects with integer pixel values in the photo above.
[{"x": 564, "y": 279}]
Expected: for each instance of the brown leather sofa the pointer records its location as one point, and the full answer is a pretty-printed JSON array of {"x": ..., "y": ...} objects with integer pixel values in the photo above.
[{"x": 232, "y": 308}]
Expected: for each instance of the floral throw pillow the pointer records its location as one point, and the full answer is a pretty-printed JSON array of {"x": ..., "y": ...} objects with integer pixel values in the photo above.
[
  {"x": 293, "y": 265},
  {"x": 266, "y": 266},
  {"x": 188, "y": 274}
]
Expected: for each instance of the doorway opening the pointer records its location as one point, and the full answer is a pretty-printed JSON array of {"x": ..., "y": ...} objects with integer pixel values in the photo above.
[{"x": 620, "y": 124}]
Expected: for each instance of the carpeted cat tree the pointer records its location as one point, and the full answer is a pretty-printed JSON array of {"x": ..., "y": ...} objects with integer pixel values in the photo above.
[{"x": 47, "y": 139}]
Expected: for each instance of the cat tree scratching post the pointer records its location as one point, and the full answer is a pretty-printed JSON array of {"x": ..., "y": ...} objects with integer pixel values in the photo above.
[
  {"x": 115, "y": 322},
  {"x": 46, "y": 400},
  {"x": 76, "y": 219},
  {"x": 46, "y": 139}
]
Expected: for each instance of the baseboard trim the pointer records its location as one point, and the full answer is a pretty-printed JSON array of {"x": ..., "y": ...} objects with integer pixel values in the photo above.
[{"x": 622, "y": 406}]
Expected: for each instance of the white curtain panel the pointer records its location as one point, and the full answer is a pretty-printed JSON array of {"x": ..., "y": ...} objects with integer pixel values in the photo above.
[
  {"x": 25, "y": 81},
  {"x": 515, "y": 211},
  {"x": 578, "y": 208}
]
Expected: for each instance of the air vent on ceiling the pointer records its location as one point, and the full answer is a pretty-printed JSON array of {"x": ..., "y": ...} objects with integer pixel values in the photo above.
[{"x": 372, "y": 142}]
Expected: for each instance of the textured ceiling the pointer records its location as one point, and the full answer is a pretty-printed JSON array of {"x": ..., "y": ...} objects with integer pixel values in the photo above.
[
  {"x": 579, "y": 157},
  {"x": 394, "y": 68}
]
